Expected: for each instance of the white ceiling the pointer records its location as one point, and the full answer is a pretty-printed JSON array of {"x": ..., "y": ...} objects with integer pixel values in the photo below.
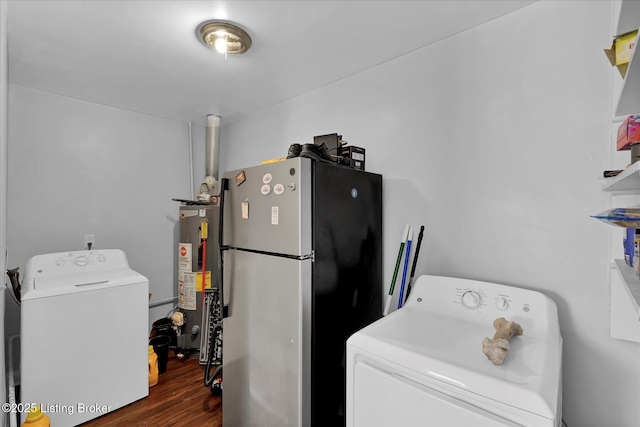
[{"x": 145, "y": 56}]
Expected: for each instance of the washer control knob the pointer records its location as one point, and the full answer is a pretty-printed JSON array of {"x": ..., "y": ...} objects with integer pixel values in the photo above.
[
  {"x": 81, "y": 261},
  {"x": 502, "y": 303},
  {"x": 471, "y": 299}
]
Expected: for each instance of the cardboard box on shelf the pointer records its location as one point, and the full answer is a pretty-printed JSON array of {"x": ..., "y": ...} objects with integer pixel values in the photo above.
[
  {"x": 628, "y": 132},
  {"x": 621, "y": 50}
]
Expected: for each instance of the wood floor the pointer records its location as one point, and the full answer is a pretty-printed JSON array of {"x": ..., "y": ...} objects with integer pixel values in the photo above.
[{"x": 179, "y": 399}]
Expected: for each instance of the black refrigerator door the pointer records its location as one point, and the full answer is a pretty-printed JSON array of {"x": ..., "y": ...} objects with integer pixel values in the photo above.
[{"x": 347, "y": 277}]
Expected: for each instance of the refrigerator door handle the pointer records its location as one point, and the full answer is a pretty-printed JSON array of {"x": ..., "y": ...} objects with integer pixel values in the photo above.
[{"x": 224, "y": 188}]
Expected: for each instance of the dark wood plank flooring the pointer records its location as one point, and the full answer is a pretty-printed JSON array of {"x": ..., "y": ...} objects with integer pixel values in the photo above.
[{"x": 179, "y": 399}]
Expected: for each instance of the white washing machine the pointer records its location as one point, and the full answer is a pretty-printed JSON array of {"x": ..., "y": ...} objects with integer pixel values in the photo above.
[
  {"x": 423, "y": 365},
  {"x": 84, "y": 337}
]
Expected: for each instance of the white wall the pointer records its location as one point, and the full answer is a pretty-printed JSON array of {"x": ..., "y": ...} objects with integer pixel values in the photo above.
[
  {"x": 3, "y": 188},
  {"x": 81, "y": 168},
  {"x": 492, "y": 139}
]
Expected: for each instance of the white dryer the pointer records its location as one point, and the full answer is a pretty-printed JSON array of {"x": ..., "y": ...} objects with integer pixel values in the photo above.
[
  {"x": 84, "y": 335},
  {"x": 423, "y": 365}
]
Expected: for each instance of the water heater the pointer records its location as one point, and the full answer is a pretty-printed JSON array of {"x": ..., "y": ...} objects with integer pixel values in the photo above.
[{"x": 198, "y": 273}]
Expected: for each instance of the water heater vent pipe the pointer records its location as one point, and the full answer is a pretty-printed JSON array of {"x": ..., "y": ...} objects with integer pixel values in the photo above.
[
  {"x": 213, "y": 145},
  {"x": 212, "y": 148}
]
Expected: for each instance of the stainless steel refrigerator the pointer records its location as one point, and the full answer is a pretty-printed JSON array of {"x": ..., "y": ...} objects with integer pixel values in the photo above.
[{"x": 302, "y": 271}]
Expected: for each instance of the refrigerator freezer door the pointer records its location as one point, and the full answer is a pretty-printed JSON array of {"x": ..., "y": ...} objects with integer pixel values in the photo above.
[
  {"x": 266, "y": 355},
  {"x": 347, "y": 277},
  {"x": 268, "y": 208}
]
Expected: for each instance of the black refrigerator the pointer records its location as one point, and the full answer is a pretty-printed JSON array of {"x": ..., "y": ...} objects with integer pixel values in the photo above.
[{"x": 302, "y": 271}]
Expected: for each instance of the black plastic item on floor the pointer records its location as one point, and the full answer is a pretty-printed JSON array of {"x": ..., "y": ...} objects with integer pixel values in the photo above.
[
  {"x": 164, "y": 326},
  {"x": 160, "y": 345}
]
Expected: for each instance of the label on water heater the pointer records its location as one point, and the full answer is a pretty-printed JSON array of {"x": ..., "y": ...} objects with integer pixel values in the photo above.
[
  {"x": 186, "y": 279},
  {"x": 198, "y": 280},
  {"x": 204, "y": 229},
  {"x": 186, "y": 290},
  {"x": 184, "y": 256}
]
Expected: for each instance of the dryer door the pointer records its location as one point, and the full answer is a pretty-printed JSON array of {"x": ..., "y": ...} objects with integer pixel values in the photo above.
[{"x": 383, "y": 399}]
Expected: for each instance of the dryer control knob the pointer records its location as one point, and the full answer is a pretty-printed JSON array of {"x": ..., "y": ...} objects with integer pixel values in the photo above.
[
  {"x": 502, "y": 304},
  {"x": 471, "y": 299},
  {"x": 81, "y": 261}
]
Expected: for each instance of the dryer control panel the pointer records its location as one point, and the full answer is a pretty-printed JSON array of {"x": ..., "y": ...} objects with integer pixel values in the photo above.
[
  {"x": 478, "y": 298},
  {"x": 480, "y": 302}
]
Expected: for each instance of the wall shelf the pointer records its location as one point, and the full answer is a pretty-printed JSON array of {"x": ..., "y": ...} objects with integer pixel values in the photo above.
[
  {"x": 629, "y": 101},
  {"x": 625, "y": 302},
  {"x": 624, "y": 283},
  {"x": 629, "y": 13},
  {"x": 626, "y": 182},
  {"x": 632, "y": 284}
]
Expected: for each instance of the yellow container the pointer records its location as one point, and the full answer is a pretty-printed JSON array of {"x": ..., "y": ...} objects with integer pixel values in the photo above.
[
  {"x": 620, "y": 51},
  {"x": 624, "y": 47},
  {"x": 35, "y": 418},
  {"x": 153, "y": 367}
]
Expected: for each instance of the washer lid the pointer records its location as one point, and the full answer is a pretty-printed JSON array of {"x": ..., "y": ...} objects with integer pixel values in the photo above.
[{"x": 450, "y": 351}]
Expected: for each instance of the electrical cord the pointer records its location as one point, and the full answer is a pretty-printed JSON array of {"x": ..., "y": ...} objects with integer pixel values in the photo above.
[
  {"x": 564, "y": 423},
  {"x": 172, "y": 311}
]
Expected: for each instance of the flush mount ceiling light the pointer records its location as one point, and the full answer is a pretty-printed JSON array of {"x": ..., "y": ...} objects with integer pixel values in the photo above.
[{"x": 225, "y": 37}]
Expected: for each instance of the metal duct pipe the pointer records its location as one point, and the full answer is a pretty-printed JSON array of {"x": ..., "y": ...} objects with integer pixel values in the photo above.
[{"x": 212, "y": 147}]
